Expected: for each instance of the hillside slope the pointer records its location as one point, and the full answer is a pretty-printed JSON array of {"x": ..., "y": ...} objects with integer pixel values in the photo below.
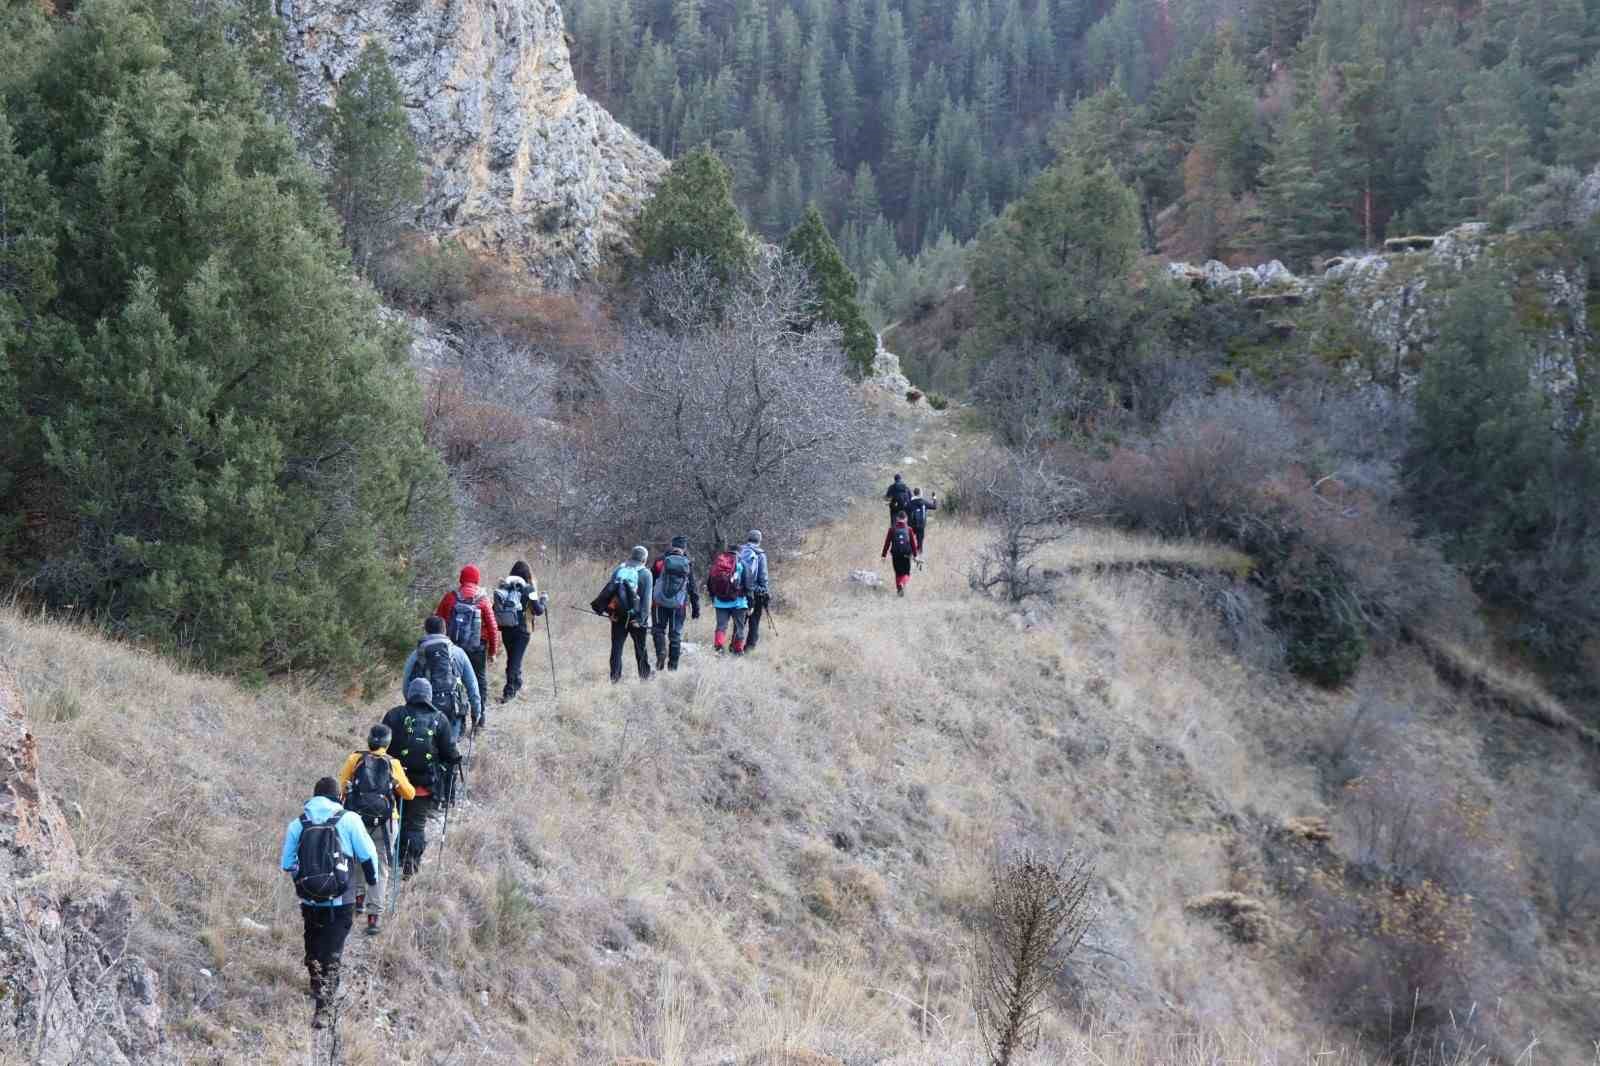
[{"x": 788, "y": 852}]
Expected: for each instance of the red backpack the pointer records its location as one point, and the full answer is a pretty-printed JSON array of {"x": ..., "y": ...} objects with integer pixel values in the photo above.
[{"x": 720, "y": 580}]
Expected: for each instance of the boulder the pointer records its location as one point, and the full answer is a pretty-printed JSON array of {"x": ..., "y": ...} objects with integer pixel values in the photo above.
[{"x": 866, "y": 578}]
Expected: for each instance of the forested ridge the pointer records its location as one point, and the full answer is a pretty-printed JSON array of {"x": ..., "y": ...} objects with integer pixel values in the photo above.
[{"x": 1283, "y": 128}]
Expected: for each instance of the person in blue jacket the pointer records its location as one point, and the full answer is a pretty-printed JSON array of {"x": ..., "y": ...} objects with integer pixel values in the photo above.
[
  {"x": 327, "y": 921},
  {"x": 730, "y": 595}
]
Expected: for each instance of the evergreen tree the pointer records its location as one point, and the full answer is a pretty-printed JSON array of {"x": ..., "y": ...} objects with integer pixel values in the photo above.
[
  {"x": 836, "y": 286},
  {"x": 376, "y": 179},
  {"x": 1577, "y": 135},
  {"x": 692, "y": 213},
  {"x": 1306, "y": 185},
  {"x": 1226, "y": 126}
]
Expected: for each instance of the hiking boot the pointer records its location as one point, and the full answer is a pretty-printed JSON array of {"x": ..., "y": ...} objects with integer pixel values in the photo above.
[
  {"x": 661, "y": 664},
  {"x": 900, "y": 590},
  {"x": 361, "y": 901},
  {"x": 372, "y": 925}
]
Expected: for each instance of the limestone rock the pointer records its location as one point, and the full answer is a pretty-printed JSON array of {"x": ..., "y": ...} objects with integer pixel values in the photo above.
[
  {"x": 70, "y": 989},
  {"x": 520, "y": 164},
  {"x": 1589, "y": 195},
  {"x": 866, "y": 578}
]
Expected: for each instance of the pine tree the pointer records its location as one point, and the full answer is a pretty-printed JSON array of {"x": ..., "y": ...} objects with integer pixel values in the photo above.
[
  {"x": 692, "y": 213},
  {"x": 1577, "y": 135},
  {"x": 836, "y": 286},
  {"x": 1226, "y": 126},
  {"x": 376, "y": 178},
  {"x": 1367, "y": 112},
  {"x": 1306, "y": 185}
]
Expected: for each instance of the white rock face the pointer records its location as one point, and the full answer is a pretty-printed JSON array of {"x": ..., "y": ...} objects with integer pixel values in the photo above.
[{"x": 520, "y": 164}]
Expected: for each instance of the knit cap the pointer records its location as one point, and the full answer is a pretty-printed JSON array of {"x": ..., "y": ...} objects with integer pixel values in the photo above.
[
  {"x": 470, "y": 575},
  {"x": 419, "y": 691}
]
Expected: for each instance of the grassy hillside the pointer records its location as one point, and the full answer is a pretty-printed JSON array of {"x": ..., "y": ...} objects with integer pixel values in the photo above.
[{"x": 789, "y": 852}]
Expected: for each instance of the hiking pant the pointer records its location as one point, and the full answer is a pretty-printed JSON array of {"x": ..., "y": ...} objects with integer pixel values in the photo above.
[
  {"x": 480, "y": 666},
  {"x": 374, "y": 889},
  {"x": 326, "y": 930},
  {"x": 922, "y": 535},
  {"x": 668, "y": 634},
  {"x": 739, "y": 617},
  {"x": 414, "y": 831},
  {"x": 516, "y": 640},
  {"x": 620, "y": 632},
  {"x": 902, "y": 570},
  {"x": 756, "y": 614}
]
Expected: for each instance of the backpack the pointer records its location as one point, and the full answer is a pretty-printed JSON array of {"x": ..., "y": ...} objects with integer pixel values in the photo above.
[
  {"x": 672, "y": 578},
  {"x": 371, "y": 790},
  {"x": 323, "y": 870},
  {"x": 721, "y": 579},
  {"x": 606, "y": 602},
  {"x": 899, "y": 494},
  {"x": 435, "y": 663},
  {"x": 465, "y": 625},
  {"x": 900, "y": 542},
  {"x": 416, "y": 745},
  {"x": 917, "y": 509},
  {"x": 508, "y": 604}
]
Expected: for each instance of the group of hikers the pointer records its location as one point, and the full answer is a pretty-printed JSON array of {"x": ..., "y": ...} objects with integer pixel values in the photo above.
[{"x": 907, "y": 539}]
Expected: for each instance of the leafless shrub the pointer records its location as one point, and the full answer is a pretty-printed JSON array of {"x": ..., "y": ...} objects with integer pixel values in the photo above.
[
  {"x": 1038, "y": 913},
  {"x": 1031, "y": 506},
  {"x": 1032, "y": 395},
  {"x": 1567, "y": 845}
]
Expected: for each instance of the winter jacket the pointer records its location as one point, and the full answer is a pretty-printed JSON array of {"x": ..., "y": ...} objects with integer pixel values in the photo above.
[
  {"x": 899, "y": 494},
  {"x": 917, "y": 510},
  {"x": 402, "y": 784},
  {"x": 743, "y": 602},
  {"x": 888, "y": 540},
  {"x": 354, "y": 841},
  {"x": 474, "y": 594},
  {"x": 754, "y": 562},
  {"x": 463, "y": 666},
  {"x": 531, "y": 607},
  {"x": 637, "y": 576},
  {"x": 424, "y": 774},
  {"x": 689, "y": 594}
]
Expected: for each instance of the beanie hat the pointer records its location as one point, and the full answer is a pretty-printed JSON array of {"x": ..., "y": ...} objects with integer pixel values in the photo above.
[
  {"x": 639, "y": 554},
  {"x": 680, "y": 542},
  {"x": 419, "y": 691},
  {"x": 470, "y": 575},
  {"x": 754, "y": 536}
]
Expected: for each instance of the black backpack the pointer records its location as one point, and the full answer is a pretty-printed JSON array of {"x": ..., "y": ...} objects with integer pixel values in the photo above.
[
  {"x": 900, "y": 543},
  {"x": 674, "y": 578},
  {"x": 371, "y": 791},
  {"x": 435, "y": 663},
  {"x": 415, "y": 744},
  {"x": 508, "y": 602},
  {"x": 899, "y": 493},
  {"x": 323, "y": 871},
  {"x": 465, "y": 625},
  {"x": 917, "y": 509}
]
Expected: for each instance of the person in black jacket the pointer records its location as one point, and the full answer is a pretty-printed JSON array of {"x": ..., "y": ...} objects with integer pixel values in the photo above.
[
  {"x": 424, "y": 746},
  {"x": 516, "y": 627},
  {"x": 917, "y": 516},
  {"x": 898, "y": 494}
]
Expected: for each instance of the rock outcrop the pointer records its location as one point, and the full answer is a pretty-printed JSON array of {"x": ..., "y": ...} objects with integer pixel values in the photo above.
[
  {"x": 70, "y": 991},
  {"x": 520, "y": 164}
]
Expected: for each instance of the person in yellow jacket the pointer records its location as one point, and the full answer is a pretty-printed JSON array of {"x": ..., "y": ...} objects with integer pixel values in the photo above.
[{"x": 369, "y": 783}]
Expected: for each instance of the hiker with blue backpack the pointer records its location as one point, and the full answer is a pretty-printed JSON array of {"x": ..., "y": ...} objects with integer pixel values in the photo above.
[
  {"x": 516, "y": 604},
  {"x": 450, "y": 674},
  {"x": 730, "y": 595},
  {"x": 626, "y": 600},
  {"x": 674, "y": 587},
  {"x": 753, "y": 559},
  {"x": 319, "y": 848},
  {"x": 469, "y": 621}
]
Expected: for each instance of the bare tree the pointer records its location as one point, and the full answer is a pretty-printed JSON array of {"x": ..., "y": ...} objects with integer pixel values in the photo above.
[
  {"x": 1039, "y": 911},
  {"x": 728, "y": 406},
  {"x": 1031, "y": 505}
]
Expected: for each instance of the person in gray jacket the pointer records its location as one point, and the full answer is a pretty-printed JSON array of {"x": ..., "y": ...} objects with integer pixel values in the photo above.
[
  {"x": 754, "y": 561},
  {"x": 674, "y": 588},
  {"x": 447, "y": 669},
  {"x": 632, "y": 621}
]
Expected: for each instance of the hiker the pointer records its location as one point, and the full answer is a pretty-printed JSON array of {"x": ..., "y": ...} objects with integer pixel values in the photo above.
[
  {"x": 898, "y": 495},
  {"x": 730, "y": 597},
  {"x": 917, "y": 517},
  {"x": 902, "y": 541},
  {"x": 633, "y": 589},
  {"x": 469, "y": 622},
  {"x": 318, "y": 848},
  {"x": 753, "y": 559},
  {"x": 516, "y": 604},
  {"x": 674, "y": 586},
  {"x": 450, "y": 675},
  {"x": 421, "y": 740},
  {"x": 370, "y": 780}
]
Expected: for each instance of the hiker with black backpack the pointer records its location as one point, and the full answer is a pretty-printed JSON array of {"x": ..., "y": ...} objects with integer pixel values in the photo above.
[
  {"x": 898, "y": 494},
  {"x": 626, "y": 600},
  {"x": 753, "y": 559},
  {"x": 516, "y": 604},
  {"x": 318, "y": 850},
  {"x": 450, "y": 675},
  {"x": 421, "y": 740},
  {"x": 674, "y": 587},
  {"x": 917, "y": 517},
  {"x": 468, "y": 615},
  {"x": 901, "y": 542},
  {"x": 371, "y": 780},
  {"x": 730, "y": 596}
]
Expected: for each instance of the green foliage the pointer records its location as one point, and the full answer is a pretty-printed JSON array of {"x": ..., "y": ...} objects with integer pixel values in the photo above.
[
  {"x": 376, "y": 179},
  {"x": 222, "y": 446},
  {"x": 836, "y": 287},
  {"x": 1307, "y": 185},
  {"x": 1320, "y": 616},
  {"x": 692, "y": 214},
  {"x": 1577, "y": 135}
]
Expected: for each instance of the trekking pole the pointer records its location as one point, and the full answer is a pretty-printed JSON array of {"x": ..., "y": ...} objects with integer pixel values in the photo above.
[
  {"x": 773, "y": 619},
  {"x": 550, "y": 642},
  {"x": 444, "y": 834},
  {"x": 393, "y": 828}
]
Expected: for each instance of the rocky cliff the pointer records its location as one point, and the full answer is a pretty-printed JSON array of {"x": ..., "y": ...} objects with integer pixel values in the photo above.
[
  {"x": 520, "y": 164},
  {"x": 70, "y": 991}
]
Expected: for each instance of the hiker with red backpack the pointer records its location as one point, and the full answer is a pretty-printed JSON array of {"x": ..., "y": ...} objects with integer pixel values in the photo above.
[
  {"x": 674, "y": 587},
  {"x": 371, "y": 781},
  {"x": 469, "y": 622},
  {"x": 731, "y": 598},
  {"x": 319, "y": 848},
  {"x": 901, "y": 541}
]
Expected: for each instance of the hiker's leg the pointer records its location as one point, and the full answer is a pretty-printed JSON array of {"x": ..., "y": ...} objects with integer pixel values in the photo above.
[
  {"x": 721, "y": 637},
  {"x": 480, "y": 666},
  {"x": 675, "y": 636},
  {"x": 641, "y": 652},
  {"x": 312, "y": 917},
  {"x": 754, "y": 633},
  {"x": 741, "y": 619},
  {"x": 334, "y": 935},
  {"x": 660, "y": 617},
  {"x": 516, "y": 646},
  {"x": 414, "y": 832},
  {"x": 374, "y": 889},
  {"x": 619, "y": 636}
]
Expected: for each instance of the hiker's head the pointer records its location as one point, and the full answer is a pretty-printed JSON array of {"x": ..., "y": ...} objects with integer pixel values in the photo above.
[
  {"x": 681, "y": 543},
  {"x": 899, "y": 518},
  {"x": 916, "y": 492},
  {"x": 433, "y": 625},
  {"x": 754, "y": 536},
  {"x": 378, "y": 736},
  {"x": 899, "y": 477},
  {"x": 731, "y": 547},
  {"x": 470, "y": 575},
  {"x": 520, "y": 569},
  {"x": 639, "y": 554},
  {"x": 419, "y": 691},
  {"x": 327, "y": 788}
]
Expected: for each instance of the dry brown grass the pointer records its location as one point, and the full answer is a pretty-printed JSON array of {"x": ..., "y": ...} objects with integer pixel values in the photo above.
[{"x": 743, "y": 860}]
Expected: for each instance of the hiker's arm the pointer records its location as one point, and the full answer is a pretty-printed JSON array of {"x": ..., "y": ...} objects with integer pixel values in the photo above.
[
  {"x": 290, "y": 859},
  {"x": 449, "y": 754},
  {"x": 887, "y": 537},
  {"x": 694, "y": 597},
  {"x": 348, "y": 770},
  {"x": 469, "y": 677},
  {"x": 491, "y": 628},
  {"x": 357, "y": 840},
  {"x": 405, "y": 675},
  {"x": 402, "y": 783}
]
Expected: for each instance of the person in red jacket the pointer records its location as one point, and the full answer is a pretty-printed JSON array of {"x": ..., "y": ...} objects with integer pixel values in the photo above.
[
  {"x": 901, "y": 540},
  {"x": 473, "y": 631}
]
